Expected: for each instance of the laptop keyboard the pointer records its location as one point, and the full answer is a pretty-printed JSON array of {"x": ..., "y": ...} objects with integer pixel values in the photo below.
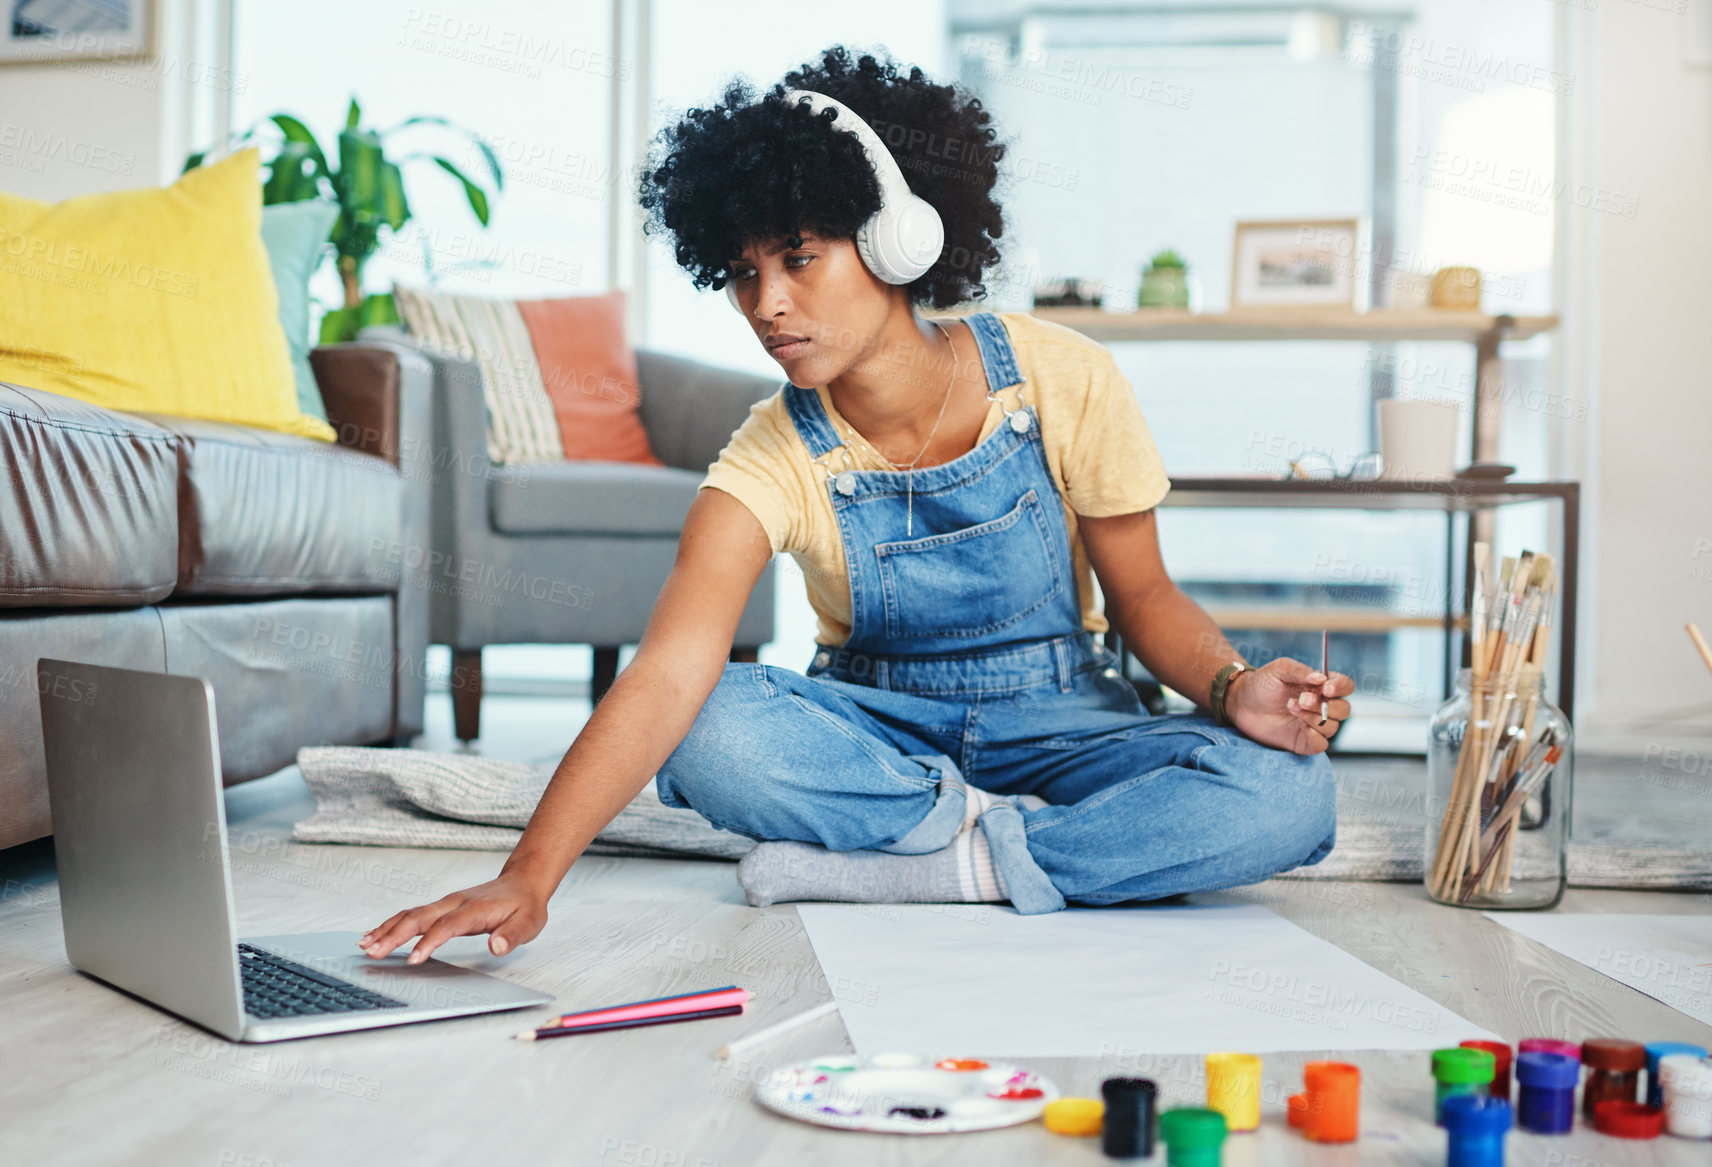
[{"x": 277, "y": 987}]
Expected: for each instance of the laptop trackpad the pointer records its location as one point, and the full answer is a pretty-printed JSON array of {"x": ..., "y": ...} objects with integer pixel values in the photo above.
[{"x": 433, "y": 984}]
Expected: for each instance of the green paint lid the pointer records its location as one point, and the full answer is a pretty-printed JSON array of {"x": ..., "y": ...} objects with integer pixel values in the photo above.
[
  {"x": 1191, "y": 1128},
  {"x": 1464, "y": 1066}
]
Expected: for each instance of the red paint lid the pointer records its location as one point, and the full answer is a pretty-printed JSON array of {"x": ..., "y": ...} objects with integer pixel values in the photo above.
[
  {"x": 1628, "y": 1120},
  {"x": 1610, "y": 1053},
  {"x": 1499, "y": 1050},
  {"x": 960, "y": 1065}
]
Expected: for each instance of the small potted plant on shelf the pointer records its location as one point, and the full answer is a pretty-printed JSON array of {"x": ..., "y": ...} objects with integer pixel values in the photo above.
[{"x": 1165, "y": 282}]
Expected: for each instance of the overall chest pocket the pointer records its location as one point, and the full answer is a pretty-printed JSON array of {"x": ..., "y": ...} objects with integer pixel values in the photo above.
[{"x": 971, "y": 582}]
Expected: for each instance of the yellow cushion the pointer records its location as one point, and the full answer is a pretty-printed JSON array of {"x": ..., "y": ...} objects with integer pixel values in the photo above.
[{"x": 157, "y": 300}]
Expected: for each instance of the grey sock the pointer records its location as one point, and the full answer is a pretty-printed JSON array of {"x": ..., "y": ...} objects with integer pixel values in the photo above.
[{"x": 960, "y": 873}]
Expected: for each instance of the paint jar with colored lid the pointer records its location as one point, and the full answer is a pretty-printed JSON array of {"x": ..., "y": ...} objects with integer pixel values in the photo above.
[
  {"x": 1233, "y": 1089},
  {"x": 1193, "y": 1136},
  {"x": 1475, "y": 1126},
  {"x": 1655, "y": 1051},
  {"x": 1545, "y": 1094},
  {"x": 1129, "y": 1106},
  {"x": 1500, "y": 1052},
  {"x": 1615, "y": 1071},
  {"x": 1332, "y": 1102},
  {"x": 1074, "y": 1116},
  {"x": 1687, "y": 1082},
  {"x": 1549, "y": 1045},
  {"x": 1460, "y": 1071},
  {"x": 1628, "y": 1120}
]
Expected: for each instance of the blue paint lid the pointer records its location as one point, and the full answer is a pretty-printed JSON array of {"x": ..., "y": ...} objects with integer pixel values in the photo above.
[
  {"x": 1659, "y": 1049},
  {"x": 1552, "y": 1071}
]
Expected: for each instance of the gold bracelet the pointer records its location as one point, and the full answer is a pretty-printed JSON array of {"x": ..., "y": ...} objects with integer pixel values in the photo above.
[{"x": 1221, "y": 685}]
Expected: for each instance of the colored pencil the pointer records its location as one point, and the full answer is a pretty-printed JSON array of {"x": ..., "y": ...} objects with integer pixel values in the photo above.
[
  {"x": 773, "y": 1031},
  {"x": 658, "y": 1007},
  {"x": 633, "y": 1023}
]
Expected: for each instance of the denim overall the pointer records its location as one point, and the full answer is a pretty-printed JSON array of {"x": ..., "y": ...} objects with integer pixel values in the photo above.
[{"x": 967, "y": 662}]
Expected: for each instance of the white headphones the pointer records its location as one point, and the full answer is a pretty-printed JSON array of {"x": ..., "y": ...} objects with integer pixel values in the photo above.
[{"x": 902, "y": 239}]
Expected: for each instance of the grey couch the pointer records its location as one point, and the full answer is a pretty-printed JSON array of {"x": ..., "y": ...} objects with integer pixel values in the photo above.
[
  {"x": 571, "y": 552},
  {"x": 260, "y": 561}
]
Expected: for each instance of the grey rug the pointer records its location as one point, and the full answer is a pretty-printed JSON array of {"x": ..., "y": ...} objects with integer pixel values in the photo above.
[{"x": 417, "y": 798}]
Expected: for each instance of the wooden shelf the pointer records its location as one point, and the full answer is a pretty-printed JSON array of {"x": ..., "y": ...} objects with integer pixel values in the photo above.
[
  {"x": 1454, "y": 494},
  {"x": 1311, "y": 619},
  {"x": 1375, "y": 327}
]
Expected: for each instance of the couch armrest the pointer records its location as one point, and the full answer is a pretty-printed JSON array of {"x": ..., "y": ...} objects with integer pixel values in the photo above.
[
  {"x": 690, "y": 409},
  {"x": 461, "y": 472},
  {"x": 379, "y": 400},
  {"x": 376, "y": 395}
]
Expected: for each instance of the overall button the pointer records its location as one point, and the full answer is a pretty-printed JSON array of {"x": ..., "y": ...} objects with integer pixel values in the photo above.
[
  {"x": 1020, "y": 421},
  {"x": 822, "y": 659},
  {"x": 846, "y": 483}
]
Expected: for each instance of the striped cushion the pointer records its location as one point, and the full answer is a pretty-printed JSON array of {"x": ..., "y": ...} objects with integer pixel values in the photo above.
[{"x": 521, "y": 425}]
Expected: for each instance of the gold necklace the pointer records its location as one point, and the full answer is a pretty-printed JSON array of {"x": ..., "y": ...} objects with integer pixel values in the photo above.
[{"x": 909, "y": 486}]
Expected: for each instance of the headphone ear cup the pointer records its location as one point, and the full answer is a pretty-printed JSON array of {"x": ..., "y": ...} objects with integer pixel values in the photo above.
[
  {"x": 901, "y": 242},
  {"x": 922, "y": 234},
  {"x": 865, "y": 238}
]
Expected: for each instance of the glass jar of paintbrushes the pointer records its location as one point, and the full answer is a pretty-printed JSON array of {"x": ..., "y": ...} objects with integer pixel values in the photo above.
[{"x": 1499, "y": 755}]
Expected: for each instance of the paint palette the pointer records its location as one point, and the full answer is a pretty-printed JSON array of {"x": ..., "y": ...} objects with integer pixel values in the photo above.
[{"x": 907, "y": 1093}]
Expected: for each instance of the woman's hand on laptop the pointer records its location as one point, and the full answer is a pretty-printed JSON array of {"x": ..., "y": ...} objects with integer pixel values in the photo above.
[{"x": 508, "y": 909}]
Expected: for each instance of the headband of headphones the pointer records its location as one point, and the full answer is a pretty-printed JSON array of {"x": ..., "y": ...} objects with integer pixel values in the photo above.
[{"x": 902, "y": 239}]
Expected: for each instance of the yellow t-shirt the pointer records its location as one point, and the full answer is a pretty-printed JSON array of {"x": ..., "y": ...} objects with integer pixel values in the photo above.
[{"x": 1097, "y": 444}]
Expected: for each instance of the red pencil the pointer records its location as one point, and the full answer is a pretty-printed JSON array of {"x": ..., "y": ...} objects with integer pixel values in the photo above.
[{"x": 656, "y": 1007}]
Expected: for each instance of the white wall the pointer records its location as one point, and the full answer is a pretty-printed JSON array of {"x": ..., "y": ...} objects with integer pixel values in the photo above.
[
  {"x": 534, "y": 79},
  {"x": 79, "y": 127},
  {"x": 1639, "y": 346}
]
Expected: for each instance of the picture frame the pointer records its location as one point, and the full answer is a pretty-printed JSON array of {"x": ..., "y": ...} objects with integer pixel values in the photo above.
[
  {"x": 1285, "y": 264},
  {"x": 36, "y": 31}
]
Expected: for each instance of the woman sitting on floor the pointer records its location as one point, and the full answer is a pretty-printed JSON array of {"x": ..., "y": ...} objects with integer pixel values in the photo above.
[{"x": 949, "y": 486}]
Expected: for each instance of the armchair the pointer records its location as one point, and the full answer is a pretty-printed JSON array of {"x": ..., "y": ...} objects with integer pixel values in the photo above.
[{"x": 571, "y": 552}]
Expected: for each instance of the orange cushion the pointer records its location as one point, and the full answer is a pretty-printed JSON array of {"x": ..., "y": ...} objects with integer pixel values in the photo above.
[{"x": 590, "y": 374}]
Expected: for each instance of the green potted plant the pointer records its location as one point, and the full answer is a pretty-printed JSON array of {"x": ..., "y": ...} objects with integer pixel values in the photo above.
[
  {"x": 1164, "y": 282},
  {"x": 369, "y": 189}
]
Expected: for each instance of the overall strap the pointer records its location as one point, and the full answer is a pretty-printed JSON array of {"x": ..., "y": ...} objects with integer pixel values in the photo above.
[
  {"x": 996, "y": 352},
  {"x": 811, "y": 421}
]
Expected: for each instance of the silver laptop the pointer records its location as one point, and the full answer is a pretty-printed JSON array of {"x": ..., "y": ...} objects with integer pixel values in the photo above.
[{"x": 146, "y": 886}]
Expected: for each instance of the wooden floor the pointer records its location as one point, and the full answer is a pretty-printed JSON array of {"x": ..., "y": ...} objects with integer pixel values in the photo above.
[{"x": 90, "y": 1076}]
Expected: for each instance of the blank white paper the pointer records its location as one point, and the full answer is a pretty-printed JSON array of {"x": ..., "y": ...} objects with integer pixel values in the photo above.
[
  {"x": 1669, "y": 958},
  {"x": 1108, "y": 982}
]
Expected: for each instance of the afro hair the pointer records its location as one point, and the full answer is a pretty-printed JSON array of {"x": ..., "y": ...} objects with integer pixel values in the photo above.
[{"x": 748, "y": 168}]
